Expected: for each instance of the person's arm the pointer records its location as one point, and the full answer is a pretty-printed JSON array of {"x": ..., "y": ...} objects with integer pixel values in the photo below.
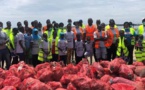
[
  {"x": 95, "y": 37},
  {"x": 59, "y": 46},
  {"x": 21, "y": 45}
]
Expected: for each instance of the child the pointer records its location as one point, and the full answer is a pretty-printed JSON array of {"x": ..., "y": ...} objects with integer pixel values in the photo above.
[
  {"x": 62, "y": 47},
  {"x": 89, "y": 49},
  {"x": 44, "y": 54},
  {"x": 122, "y": 44},
  {"x": 79, "y": 48},
  {"x": 101, "y": 43}
]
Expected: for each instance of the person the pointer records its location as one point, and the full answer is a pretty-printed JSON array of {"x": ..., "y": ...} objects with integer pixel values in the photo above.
[
  {"x": 108, "y": 26},
  {"x": 122, "y": 50},
  {"x": 32, "y": 25},
  {"x": 61, "y": 29},
  {"x": 141, "y": 28},
  {"x": 19, "y": 24},
  {"x": 28, "y": 39},
  {"x": 101, "y": 43},
  {"x": 139, "y": 49},
  {"x": 113, "y": 34},
  {"x": 45, "y": 28},
  {"x": 40, "y": 28},
  {"x": 13, "y": 42},
  {"x": 130, "y": 36},
  {"x": 4, "y": 52},
  {"x": 26, "y": 27},
  {"x": 62, "y": 48},
  {"x": 103, "y": 26},
  {"x": 79, "y": 48},
  {"x": 69, "y": 21},
  {"x": 77, "y": 30},
  {"x": 69, "y": 36},
  {"x": 49, "y": 30},
  {"x": 81, "y": 24},
  {"x": 89, "y": 32},
  {"x": 54, "y": 42},
  {"x": 1, "y": 24},
  {"x": 20, "y": 44},
  {"x": 88, "y": 49},
  {"x": 8, "y": 29},
  {"x": 35, "y": 46},
  {"x": 2, "y": 61},
  {"x": 44, "y": 54}
]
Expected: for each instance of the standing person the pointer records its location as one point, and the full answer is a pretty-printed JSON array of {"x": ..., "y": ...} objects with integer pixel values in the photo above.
[
  {"x": 35, "y": 46},
  {"x": 69, "y": 22},
  {"x": 130, "y": 36},
  {"x": 113, "y": 34},
  {"x": 13, "y": 42},
  {"x": 1, "y": 24},
  {"x": 141, "y": 28},
  {"x": 44, "y": 54},
  {"x": 62, "y": 47},
  {"x": 19, "y": 24},
  {"x": 4, "y": 52},
  {"x": 45, "y": 28},
  {"x": 108, "y": 26},
  {"x": 54, "y": 42},
  {"x": 2, "y": 61},
  {"x": 32, "y": 25},
  {"x": 98, "y": 22},
  {"x": 61, "y": 29},
  {"x": 81, "y": 24},
  {"x": 26, "y": 27},
  {"x": 79, "y": 48},
  {"x": 69, "y": 36},
  {"x": 49, "y": 30},
  {"x": 122, "y": 50},
  {"x": 8, "y": 29},
  {"x": 20, "y": 45},
  {"x": 88, "y": 49},
  {"x": 28, "y": 39},
  {"x": 101, "y": 43},
  {"x": 77, "y": 30},
  {"x": 89, "y": 32}
]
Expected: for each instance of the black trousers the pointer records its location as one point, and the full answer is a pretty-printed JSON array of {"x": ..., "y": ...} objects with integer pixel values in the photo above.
[
  {"x": 63, "y": 58},
  {"x": 111, "y": 52},
  {"x": 130, "y": 56},
  {"x": 55, "y": 57},
  {"x": 35, "y": 60}
]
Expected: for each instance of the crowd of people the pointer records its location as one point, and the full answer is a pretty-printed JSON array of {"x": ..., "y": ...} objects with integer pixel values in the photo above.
[{"x": 54, "y": 42}]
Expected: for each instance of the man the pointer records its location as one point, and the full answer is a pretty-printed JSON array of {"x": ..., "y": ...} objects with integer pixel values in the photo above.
[
  {"x": 81, "y": 24},
  {"x": 69, "y": 21},
  {"x": 113, "y": 22},
  {"x": 26, "y": 26},
  {"x": 4, "y": 52},
  {"x": 98, "y": 22},
  {"x": 89, "y": 32},
  {"x": 45, "y": 27},
  {"x": 141, "y": 28},
  {"x": 19, "y": 24},
  {"x": 49, "y": 30},
  {"x": 8, "y": 29},
  {"x": 61, "y": 29},
  {"x": 1, "y": 24}
]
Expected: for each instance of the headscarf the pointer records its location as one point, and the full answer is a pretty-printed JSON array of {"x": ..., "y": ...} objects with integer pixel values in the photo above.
[{"x": 35, "y": 37}]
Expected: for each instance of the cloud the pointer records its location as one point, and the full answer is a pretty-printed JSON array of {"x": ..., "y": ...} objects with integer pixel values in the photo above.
[{"x": 61, "y": 10}]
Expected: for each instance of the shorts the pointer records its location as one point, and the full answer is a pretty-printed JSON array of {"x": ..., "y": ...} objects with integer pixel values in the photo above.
[{"x": 101, "y": 52}]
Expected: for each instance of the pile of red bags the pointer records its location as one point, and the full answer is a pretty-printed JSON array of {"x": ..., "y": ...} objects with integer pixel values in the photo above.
[{"x": 103, "y": 75}]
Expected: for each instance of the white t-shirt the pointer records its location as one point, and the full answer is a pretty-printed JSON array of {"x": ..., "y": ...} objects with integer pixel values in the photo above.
[
  {"x": 19, "y": 36},
  {"x": 62, "y": 44},
  {"x": 35, "y": 46},
  {"x": 79, "y": 46},
  {"x": 69, "y": 36}
]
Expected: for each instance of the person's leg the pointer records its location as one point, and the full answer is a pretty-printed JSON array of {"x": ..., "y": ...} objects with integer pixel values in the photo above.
[
  {"x": 104, "y": 53},
  {"x": 68, "y": 55},
  {"x": 109, "y": 54},
  {"x": 97, "y": 54},
  {"x": 94, "y": 52},
  {"x": 6, "y": 55},
  {"x": 113, "y": 50},
  {"x": 33, "y": 60},
  {"x": 15, "y": 60},
  {"x": 131, "y": 47}
]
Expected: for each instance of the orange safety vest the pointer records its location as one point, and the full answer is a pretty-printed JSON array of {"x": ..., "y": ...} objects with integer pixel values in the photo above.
[
  {"x": 75, "y": 32},
  {"x": 90, "y": 31},
  {"x": 111, "y": 36},
  {"x": 97, "y": 43}
]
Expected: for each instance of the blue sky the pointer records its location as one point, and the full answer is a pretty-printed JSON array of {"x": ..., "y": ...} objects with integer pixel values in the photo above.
[{"x": 61, "y": 10}]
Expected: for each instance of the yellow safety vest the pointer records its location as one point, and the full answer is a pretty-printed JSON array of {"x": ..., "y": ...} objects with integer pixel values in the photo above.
[
  {"x": 49, "y": 33},
  {"x": 61, "y": 30},
  {"x": 108, "y": 27},
  {"x": 121, "y": 46},
  {"x": 41, "y": 53},
  {"x": 141, "y": 30},
  {"x": 12, "y": 41}
]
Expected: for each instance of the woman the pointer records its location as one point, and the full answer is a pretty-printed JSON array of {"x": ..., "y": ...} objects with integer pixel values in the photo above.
[{"x": 35, "y": 46}]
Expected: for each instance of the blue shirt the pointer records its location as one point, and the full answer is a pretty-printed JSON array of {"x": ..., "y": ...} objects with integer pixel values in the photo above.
[
  {"x": 128, "y": 35},
  {"x": 28, "y": 40}
]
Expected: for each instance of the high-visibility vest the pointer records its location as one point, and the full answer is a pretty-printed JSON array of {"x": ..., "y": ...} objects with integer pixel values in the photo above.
[
  {"x": 12, "y": 41},
  {"x": 111, "y": 36},
  {"x": 61, "y": 31},
  {"x": 49, "y": 34},
  {"x": 83, "y": 26},
  {"x": 108, "y": 27},
  {"x": 41, "y": 54},
  {"x": 75, "y": 32},
  {"x": 141, "y": 30},
  {"x": 90, "y": 31},
  {"x": 56, "y": 43},
  {"x": 8, "y": 33},
  {"x": 97, "y": 43},
  {"x": 121, "y": 46},
  {"x": 132, "y": 31}
]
